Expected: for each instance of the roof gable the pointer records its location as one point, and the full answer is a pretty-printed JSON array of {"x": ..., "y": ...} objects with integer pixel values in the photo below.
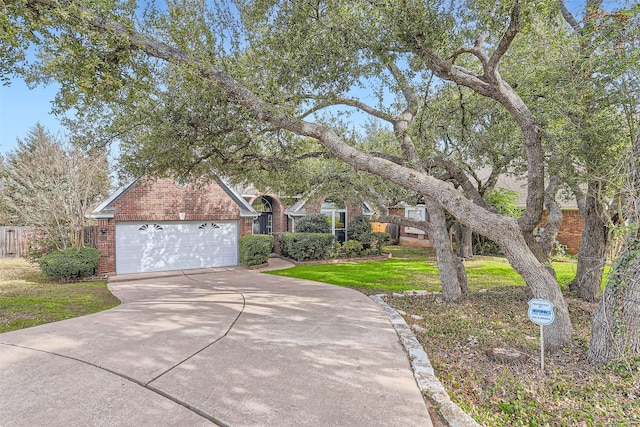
[{"x": 106, "y": 209}]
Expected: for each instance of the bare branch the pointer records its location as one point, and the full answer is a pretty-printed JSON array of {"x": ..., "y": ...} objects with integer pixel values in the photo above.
[
  {"x": 324, "y": 103},
  {"x": 475, "y": 51},
  {"x": 568, "y": 16},
  {"x": 460, "y": 177},
  {"x": 507, "y": 38},
  {"x": 407, "y": 91},
  {"x": 395, "y": 159},
  {"x": 483, "y": 34},
  {"x": 401, "y": 124}
]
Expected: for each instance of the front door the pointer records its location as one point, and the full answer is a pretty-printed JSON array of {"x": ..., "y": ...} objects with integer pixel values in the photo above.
[{"x": 263, "y": 224}]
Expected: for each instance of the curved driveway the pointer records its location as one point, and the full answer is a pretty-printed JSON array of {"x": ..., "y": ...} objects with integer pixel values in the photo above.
[{"x": 223, "y": 346}]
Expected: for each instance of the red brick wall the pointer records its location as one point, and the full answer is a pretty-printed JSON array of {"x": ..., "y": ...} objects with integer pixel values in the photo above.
[
  {"x": 162, "y": 200},
  {"x": 570, "y": 230},
  {"x": 105, "y": 243},
  {"x": 246, "y": 226}
]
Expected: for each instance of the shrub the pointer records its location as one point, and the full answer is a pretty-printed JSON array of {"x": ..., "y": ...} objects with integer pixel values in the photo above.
[
  {"x": 307, "y": 246},
  {"x": 353, "y": 248},
  {"x": 255, "y": 249},
  {"x": 381, "y": 239},
  {"x": 484, "y": 246},
  {"x": 70, "y": 263},
  {"x": 358, "y": 226},
  {"x": 313, "y": 223}
]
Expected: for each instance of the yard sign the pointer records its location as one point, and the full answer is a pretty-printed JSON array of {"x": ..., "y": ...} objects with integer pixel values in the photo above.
[{"x": 541, "y": 313}]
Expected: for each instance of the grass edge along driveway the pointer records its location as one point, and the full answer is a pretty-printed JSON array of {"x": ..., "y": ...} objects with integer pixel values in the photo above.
[{"x": 28, "y": 298}]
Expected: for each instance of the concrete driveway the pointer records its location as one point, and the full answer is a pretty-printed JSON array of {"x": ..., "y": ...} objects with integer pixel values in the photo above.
[{"x": 226, "y": 346}]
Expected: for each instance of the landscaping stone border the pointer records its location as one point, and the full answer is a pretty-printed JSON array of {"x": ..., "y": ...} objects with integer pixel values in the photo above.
[{"x": 423, "y": 372}]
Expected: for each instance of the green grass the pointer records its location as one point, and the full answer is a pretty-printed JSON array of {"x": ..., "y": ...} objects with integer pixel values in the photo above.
[
  {"x": 409, "y": 268},
  {"x": 28, "y": 298}
]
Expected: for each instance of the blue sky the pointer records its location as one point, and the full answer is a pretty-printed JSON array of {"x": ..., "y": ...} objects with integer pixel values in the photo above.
[{"x": 21, "y": 109}]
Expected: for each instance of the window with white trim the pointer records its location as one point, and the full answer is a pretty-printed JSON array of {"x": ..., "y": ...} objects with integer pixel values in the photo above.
[
  {"x": 415, "y": 212},
  {"x": 336, "y": 213}
]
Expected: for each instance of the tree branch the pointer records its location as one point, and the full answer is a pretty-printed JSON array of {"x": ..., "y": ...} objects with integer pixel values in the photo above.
[
  {"x": 506, "y": 40},
  {"x": 405, "y": 222},
  {"x": 401, "y": 124},
  {"x": 457, "y": 174},
  {"x": 350, "y": 103},
  {"x": 483, "y": 221},
  {"x": 569, "y": 18}
]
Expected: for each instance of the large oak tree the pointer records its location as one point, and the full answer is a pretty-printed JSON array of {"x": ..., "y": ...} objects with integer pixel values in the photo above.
[{"x": 186, "y": 88}]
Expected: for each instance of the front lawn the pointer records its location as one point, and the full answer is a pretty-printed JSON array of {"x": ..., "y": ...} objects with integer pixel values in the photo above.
[
  {"x": 571, "y": 391},
  {"x": 411, "y": 269},
  {"x": 27, "y": 298}
]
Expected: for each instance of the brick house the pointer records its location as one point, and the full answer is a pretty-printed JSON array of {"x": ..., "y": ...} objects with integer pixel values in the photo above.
[
  {"x": 569, "y": 235},
  {"x": 159, "y": 225}
]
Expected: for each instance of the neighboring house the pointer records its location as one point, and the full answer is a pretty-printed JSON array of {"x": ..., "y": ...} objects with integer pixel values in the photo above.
[
  {"x": 572, "y": 221},
  {"x": 159, "y": 225},
  {"x": 570, "y": 230},
  {"x": 409, "y": 236}
]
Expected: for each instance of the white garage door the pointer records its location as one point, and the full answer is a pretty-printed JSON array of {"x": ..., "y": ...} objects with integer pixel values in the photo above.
[{"x": 162, "y": 246}]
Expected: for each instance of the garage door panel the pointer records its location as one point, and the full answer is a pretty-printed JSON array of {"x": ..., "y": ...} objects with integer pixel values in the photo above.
[{"x": 162, "y": 246}]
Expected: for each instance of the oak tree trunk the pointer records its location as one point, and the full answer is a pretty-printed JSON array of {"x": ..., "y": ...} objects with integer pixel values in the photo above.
[
  {"x": 542, "y": 283},
  {"x": 615, "y": 334},
  {"x": 445, "y": 256},
  {"x": 593, "y": 245},
  {"x": 464, "y": 238}
]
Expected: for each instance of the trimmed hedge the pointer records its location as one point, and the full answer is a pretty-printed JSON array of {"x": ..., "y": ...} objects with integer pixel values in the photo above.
[
  {"x": 255, "y": 249},
  {"x": 313, "y": 223},
  {"x": 353, "y": 248},
  {"x": 70, "y": 263},
  {"x": 308, "y": 246}
]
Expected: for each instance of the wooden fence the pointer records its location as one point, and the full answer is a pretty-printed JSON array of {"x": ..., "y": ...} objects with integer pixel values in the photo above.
[{"x": 14, "y": 240}]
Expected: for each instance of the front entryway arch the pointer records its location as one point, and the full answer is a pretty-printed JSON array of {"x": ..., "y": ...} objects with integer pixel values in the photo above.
[{"x": 264, "y": 223}]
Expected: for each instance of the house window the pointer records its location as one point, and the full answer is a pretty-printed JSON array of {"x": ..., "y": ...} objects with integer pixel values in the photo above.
[
  {"x": 415, "y": 212},
  {"x": 262, "y": 204},
  {"x": 336, "y": 213},
  {"x": 205, "y": 225}
]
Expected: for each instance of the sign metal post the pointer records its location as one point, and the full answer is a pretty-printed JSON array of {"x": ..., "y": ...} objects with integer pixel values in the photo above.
[{"x": 541, "y": 313}]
